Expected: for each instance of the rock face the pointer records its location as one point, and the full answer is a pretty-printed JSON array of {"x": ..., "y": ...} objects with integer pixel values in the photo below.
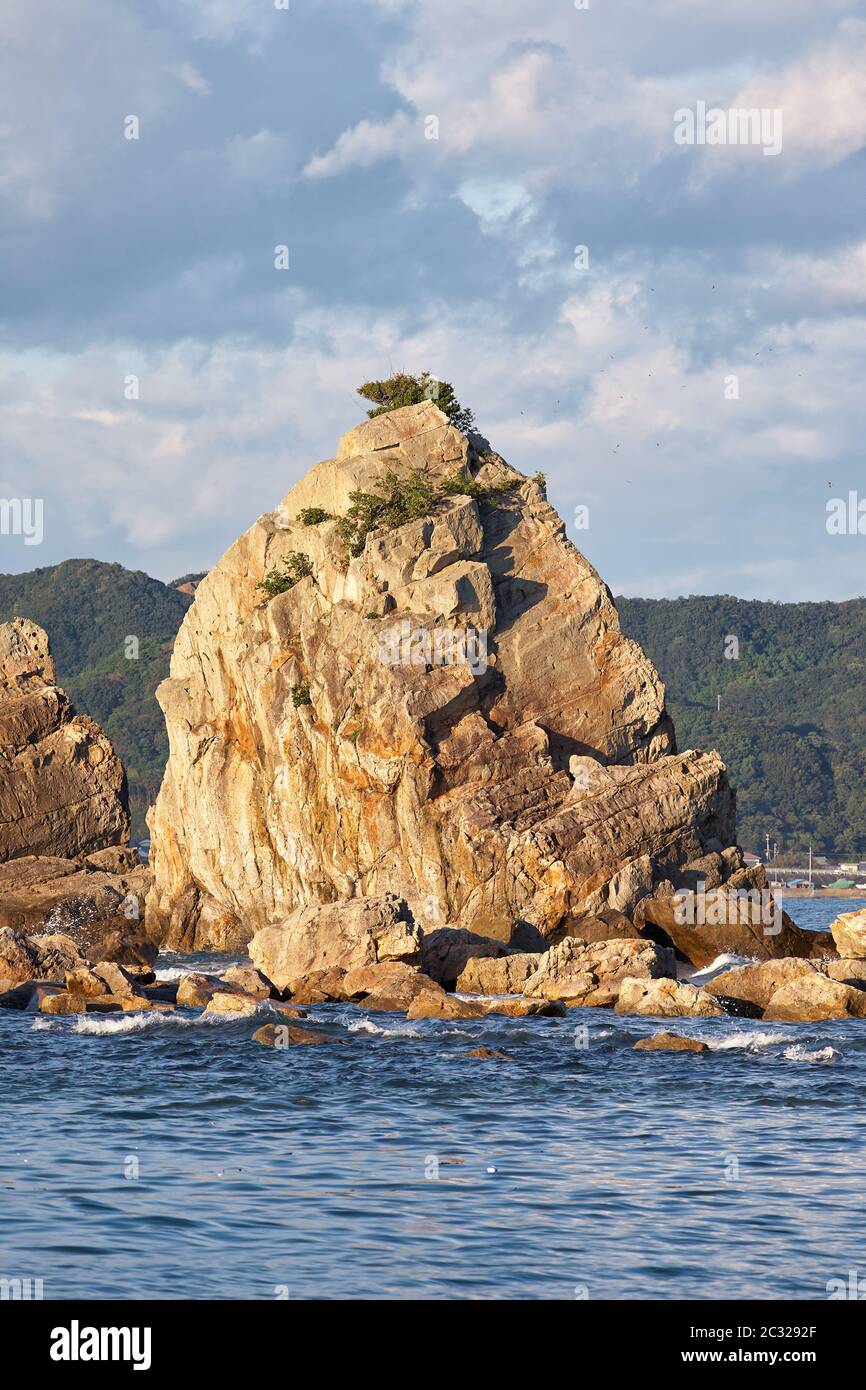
[
  {"x": 62, "y": 786},
  {"x": 324, "y": 748}
]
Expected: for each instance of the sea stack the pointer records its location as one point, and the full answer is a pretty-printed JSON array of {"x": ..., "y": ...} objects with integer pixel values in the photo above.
[{"x": 445, "y": 709}]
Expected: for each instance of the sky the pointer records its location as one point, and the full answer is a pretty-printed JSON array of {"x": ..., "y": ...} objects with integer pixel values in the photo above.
[{"x": 692, "y": 381}]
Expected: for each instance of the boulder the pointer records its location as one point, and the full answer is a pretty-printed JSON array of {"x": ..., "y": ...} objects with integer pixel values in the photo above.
[
  {"x": 83, "y": 980},
  {"x": 446, "y": 951},
  {"x": 756, "y": 984},
  {"x": 62, "y": 1002},
  {"x": 812, "y": 998},
  {"x": 248, "y": 981},
  {"x": 283, "y": 1035},
  {"x": 850, "y": 972},
  {"x": 345, "y": 935},
  {"x": 702, "y": 927},
  {"x": 507, "y": 975},
  {"x": 488, "y": 1054},
  {"x": 849, "y": 934},
  {"x": 436, "y": 1003},
  {"x": 102, "y": 912},
  {"x": 528, "y": 774},
  {"x": 666, "y": 999},
  {"x": 397, "y": 993},
  {"x": 319, "y": 987},
  {"x": 46, "y": 957},
  {"x": 195, "y": 991},
  {"x": 232, "y": 1005},
  {"x": 590, "y": 973},
  {"x": 669, "y": 1042},
  {"x": 62, "y": 786}
]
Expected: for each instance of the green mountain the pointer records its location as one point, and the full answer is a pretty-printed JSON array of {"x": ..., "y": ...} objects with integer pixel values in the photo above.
[
  {"x": 89, "y": 611},
  {"x": 792, "y": 723}
]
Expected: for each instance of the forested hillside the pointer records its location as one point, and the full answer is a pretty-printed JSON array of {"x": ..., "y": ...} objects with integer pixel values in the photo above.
[{"x": 792, "y": 724}]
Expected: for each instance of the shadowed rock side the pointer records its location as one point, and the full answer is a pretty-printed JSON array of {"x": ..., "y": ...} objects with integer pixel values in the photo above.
[
  {"x": 62, "y": 786},
  {"x": 544, "y": 789}
]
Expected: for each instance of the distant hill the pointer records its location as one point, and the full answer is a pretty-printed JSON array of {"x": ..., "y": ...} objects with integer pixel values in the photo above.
[
  {"x": 792, "y": 724},
  {"x": 89, "y": 609}
]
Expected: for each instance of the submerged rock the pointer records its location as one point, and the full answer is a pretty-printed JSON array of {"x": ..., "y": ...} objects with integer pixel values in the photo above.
[
  {"x": 283, "y": 1035},
  {"x": 488, "y": 1054},
  {"x": 321, "y": 755},
  {"x": 669, "y": 1042}
]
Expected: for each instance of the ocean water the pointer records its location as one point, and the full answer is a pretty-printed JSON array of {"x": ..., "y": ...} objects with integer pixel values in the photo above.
[{"x": 145, "y": 1156}]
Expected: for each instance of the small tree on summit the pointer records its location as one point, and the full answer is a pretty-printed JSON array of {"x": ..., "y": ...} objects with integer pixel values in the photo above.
[{"x": 403, "y": 389}]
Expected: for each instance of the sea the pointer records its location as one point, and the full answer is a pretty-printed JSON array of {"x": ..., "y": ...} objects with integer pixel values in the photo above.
[{"x": 146, "y": 1156}]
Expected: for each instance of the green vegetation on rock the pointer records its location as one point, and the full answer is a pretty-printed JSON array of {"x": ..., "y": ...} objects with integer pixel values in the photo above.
[{"x": 404, "y": 389}]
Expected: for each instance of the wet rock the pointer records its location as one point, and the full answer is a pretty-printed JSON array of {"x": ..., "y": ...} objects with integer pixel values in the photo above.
[
  {"x": 666, "y": 999},
  {"x": 397, "y": 994},
  {"x": 287, "y": 1010},
  {"x": 232, "y": 1005},
  {"x": 344, "y": 935},
  {"x": 195, "y": 990},
  {"x": 488, "y": 1054},
  {"x": 524, "y": 1008},
  {"x": 590, "y": 973},
  {"x": 117, "y": 980},
  {"x": 849, "y": 934},
  {"x": 283, "y": 1035},
  {"x": 438, "y": 1004},
  {"x": 669, "y": 1042}
]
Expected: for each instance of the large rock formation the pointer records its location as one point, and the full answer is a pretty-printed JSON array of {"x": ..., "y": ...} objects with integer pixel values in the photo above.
[
  {"x": 62, "y": 786},
  {"x": 65, "y": 865},
  {"x": 322, "y": 748}
]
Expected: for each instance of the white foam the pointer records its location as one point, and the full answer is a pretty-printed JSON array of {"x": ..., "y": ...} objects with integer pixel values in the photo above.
[
  {"x": 101, "y": 1024},
  {"x": 366, "y": 1025},
  {"x": 749, "y": 1040},
  {"x": 800, "y": 1053},
  {"x": 726, "y": 961}
]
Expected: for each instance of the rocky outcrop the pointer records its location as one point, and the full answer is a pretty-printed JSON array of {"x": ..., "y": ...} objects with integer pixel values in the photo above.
[
  {"x": 739, "y": 918},
  {"x": 849, "y": 934},
  {"x": 324, "y": 749},
  {"x": 591, "y": 973},
  {"x": 666, "y": 999},
  {"x": 62, "y": 786},
  {"x": 754, "y": 985},
  {"x": 364, "y": 931},
  {"x": 814, "y": 997}
]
